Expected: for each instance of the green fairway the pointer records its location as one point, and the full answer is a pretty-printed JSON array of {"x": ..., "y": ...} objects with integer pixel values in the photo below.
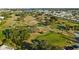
[{"x": 56, "y": 39}]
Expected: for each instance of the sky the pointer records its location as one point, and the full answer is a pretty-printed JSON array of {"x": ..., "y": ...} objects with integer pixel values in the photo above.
[{"x": 39, "y": 3}]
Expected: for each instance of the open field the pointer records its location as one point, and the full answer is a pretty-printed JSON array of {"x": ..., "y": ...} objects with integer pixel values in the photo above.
[{"x": 38, "y": 29}]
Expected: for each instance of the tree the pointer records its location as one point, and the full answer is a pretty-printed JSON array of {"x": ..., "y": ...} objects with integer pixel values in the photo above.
[
  {"x": 35, "y": 45},
  {"x": 61, "y": 27},
  {"x": 16, "y": 36},
  {"x": 7, "y": 33},
  {"x": 38, "y": 45},
  {"x": 19, "y": 35}
]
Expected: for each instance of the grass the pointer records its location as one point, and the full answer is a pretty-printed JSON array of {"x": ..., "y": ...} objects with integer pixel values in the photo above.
[
  {"x": 56, "y": 39},
  {"x": 1, "y": 37},
  {"x": 53, "y": 38}
]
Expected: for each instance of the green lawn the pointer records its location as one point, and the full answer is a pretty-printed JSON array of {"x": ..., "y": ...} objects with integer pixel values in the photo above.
[
  {"x": 1, "y": 37},
  {"x": 56, "y": 39}
]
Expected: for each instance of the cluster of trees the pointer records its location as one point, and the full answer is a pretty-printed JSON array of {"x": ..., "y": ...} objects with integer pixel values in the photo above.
[
  {"x": 75, "y": 27},
  {"x": 19, "y": 37},
  {"x": 68, "y": 27},
  {"x": 6, "y": 14},
  {"x": 22, "y": 14},
  {"x": 16, "y": 36},
  {"x": 47, "y": 20},
  {"x": 38, "y": 45}
]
